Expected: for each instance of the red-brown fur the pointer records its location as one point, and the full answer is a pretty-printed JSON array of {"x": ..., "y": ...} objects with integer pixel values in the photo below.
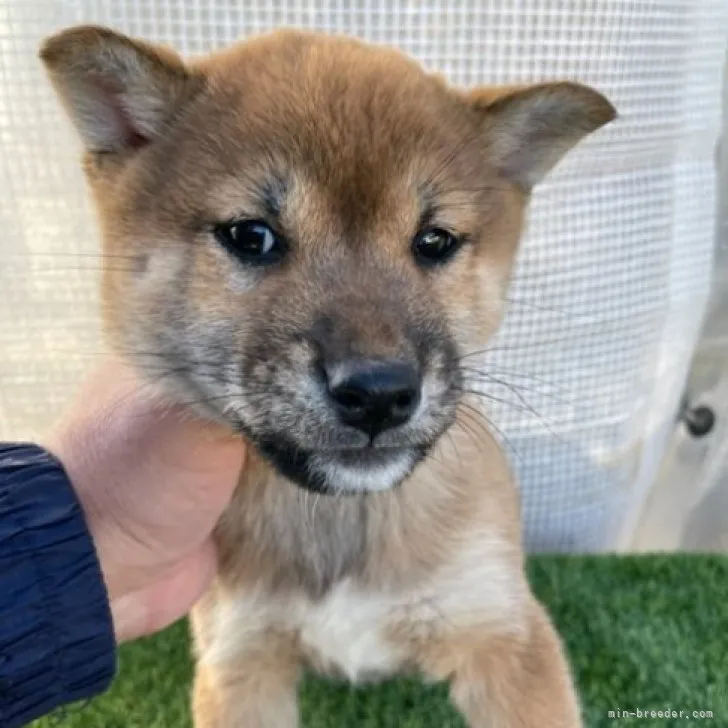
[{"x": 356, "y": 141}]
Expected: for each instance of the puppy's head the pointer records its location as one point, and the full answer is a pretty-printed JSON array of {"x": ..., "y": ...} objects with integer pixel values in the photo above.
[{"x": 306, "y": 233}]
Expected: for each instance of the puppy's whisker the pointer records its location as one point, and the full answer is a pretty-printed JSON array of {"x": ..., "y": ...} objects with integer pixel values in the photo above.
[
  {"x": 488, "y": 369},
  {"x": 520, "y": 391},
  {"x": 533, "y": 343},
  {"x": 524, "y": 410},
  {"x": 552, "y": 309},
  {"x": 492, "y": 398},
  {"x": 475, "y": 378},
  {"x": 64, "y": 254},
  {"x": 485, "y": 425}
]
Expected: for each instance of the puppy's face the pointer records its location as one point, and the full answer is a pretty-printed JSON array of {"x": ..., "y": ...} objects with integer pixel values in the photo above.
[{"x": 306, "y": 234}]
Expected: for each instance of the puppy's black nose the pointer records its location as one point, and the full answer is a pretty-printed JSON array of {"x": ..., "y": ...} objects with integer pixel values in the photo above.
[{"x": 374, "y": 394}]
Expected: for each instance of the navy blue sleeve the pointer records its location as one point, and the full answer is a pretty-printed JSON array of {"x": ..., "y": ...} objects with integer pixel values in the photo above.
[{"x": 56, "y": 635}]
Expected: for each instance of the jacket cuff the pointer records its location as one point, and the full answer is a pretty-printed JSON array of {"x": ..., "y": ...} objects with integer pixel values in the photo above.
[{"x": 56, "y": 633}]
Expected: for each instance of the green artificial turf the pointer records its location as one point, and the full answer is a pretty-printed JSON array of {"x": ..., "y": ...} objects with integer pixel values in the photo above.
[{"x": 642, "y": 632}]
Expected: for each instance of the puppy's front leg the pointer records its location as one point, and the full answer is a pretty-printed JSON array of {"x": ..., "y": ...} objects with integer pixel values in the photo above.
[
  {"x": 512, "y": 681},
  {"x": 258, "y": 690}
]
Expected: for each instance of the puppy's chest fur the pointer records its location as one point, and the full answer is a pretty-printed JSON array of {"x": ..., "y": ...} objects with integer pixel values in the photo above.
[
  {"x": 358, "y": 632},
  {"x": 357, "y": 587},
  {"x": 345, "y": 633}
]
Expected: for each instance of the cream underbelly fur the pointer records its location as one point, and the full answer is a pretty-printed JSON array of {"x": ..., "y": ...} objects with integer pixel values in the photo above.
[
  {"x": 346, "y": 631},
  {"x": 369, "y": 626}
]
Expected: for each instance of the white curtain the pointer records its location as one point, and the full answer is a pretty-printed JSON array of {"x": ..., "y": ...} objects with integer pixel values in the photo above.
[{"x": 612, "y": 279}]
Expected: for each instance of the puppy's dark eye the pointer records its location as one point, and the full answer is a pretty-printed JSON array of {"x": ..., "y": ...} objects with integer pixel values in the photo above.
[
  {"x": 252, "y": 241},
  {"x": 434, "y": 245}
]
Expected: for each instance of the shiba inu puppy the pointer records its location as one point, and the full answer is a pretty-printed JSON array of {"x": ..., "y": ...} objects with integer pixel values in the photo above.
[{"x": 319, "y": 237}]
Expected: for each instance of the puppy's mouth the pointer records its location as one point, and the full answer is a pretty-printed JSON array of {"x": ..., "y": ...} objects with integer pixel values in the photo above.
[
  {"x": 360, "y": 436},
  {"x": 366, "y": 457},
  {"x": 342, "y": 471}
]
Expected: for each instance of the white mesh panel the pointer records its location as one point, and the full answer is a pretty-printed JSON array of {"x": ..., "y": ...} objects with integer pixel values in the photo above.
[{"x": 612, "y": 278}]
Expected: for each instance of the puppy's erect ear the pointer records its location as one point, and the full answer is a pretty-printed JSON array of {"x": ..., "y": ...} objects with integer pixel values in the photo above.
[
  {"x": 119, "y": 92},
  {"x": 529, "y": 128}
]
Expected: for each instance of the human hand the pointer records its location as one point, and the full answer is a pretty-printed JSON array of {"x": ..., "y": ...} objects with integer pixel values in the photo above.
[{"x": 153, "y": 480}]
